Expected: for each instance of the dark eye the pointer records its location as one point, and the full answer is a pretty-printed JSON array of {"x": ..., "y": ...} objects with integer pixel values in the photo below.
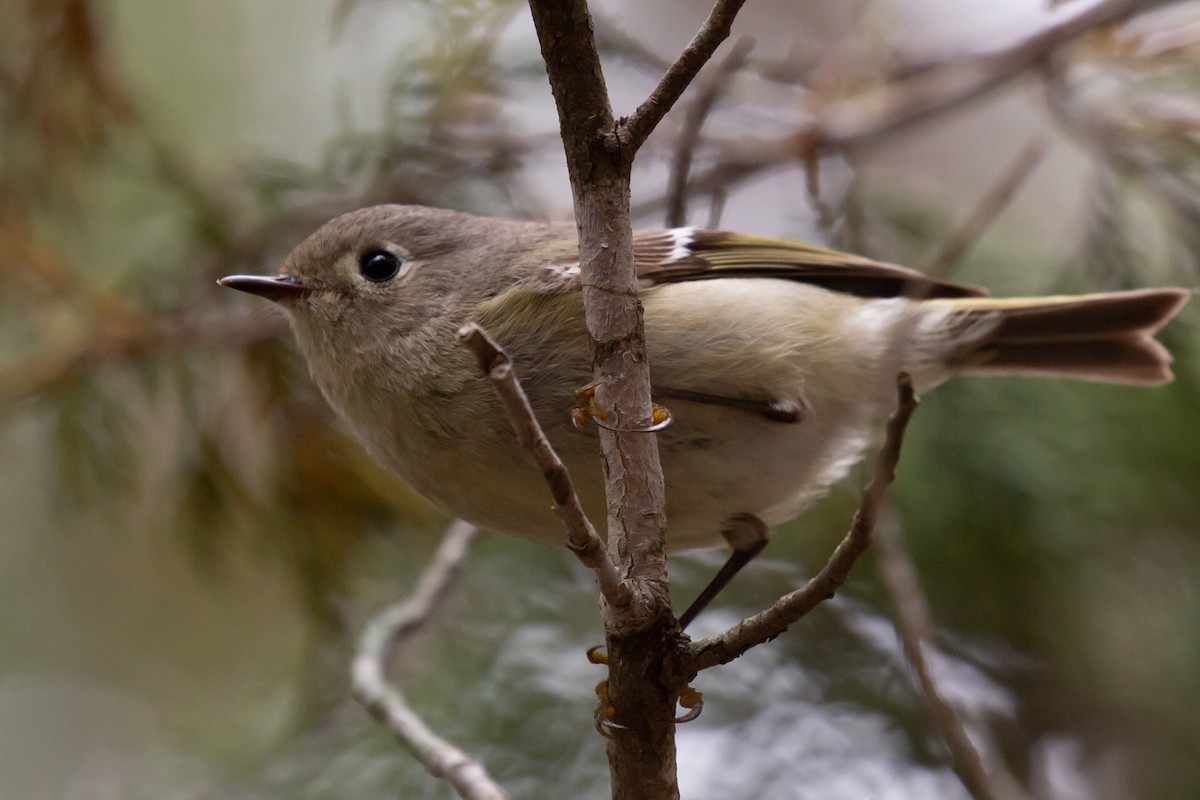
[{"x": 378, "y": 265}]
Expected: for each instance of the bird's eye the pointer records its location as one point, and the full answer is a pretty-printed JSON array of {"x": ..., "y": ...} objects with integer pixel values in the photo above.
[{"x": 379, "y": 265}]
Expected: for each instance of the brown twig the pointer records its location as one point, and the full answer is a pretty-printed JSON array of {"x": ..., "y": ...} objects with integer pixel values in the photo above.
[
  {"x": 914, "y": 627},
  {"x": 634, "y": 129},
  {"x": 387, "y": 631},
  {"x": 693, "y": 122},
  {"x": 787, "y": 610},
  {"x": 582, "y": 538},
  {"x": 987, "y": 209}
]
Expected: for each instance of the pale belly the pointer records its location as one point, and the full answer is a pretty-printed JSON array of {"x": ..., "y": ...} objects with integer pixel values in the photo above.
[{"x": 717, "y": 463}]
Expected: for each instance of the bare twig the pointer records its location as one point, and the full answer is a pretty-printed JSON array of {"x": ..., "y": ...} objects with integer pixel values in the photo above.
[
  {"x": 637, "y": 126},
  {"x": 986, "y": 211},
  {"x": 784, "y": 612},
  {"x": 388, "y": 705},
  {"x": 582, "y": 538},
  {"x": 913, "y": 625},
  {"x": 689, "y": 136}
]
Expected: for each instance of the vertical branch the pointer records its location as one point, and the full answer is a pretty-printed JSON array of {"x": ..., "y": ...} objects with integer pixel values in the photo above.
[
  {"x": 599, "y": 153},
  {"x": 642, "y": 753}
]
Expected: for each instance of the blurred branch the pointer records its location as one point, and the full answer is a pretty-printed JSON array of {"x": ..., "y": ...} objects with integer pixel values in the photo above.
[
  {"x": 126, "y": 340},
  {"x": 986, "y": 211},
  {"x": 913, "y": 625},
  {"x": 872, "y": 117},
  {"x": 611, "y": 36},
  {"x": 859, "y": 122},
  {"x": 582, "y": 538},
  {"x": 693, "y": 121},
  {"x": 60, "y": 100},
  {"x": 787, "y": 610},
  {"x": 383, "y": 636},
  {"x": 1153, "y": 147}
]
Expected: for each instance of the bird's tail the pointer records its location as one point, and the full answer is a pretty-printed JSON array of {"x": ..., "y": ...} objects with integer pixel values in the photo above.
[{"x": 1099, "y": 337}]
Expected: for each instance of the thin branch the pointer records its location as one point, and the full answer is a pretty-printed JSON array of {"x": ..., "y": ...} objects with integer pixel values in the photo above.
[
  {"x": 693, "y": 122},
  {"x": 787, "y": 610},
  {"x": 582, "y": 538},
  {"x": 387, "y": 631},
  {"x": 637, "y": 126},
  {"x": 988, "y": 208},
  {"x": 913, "y": 625}
]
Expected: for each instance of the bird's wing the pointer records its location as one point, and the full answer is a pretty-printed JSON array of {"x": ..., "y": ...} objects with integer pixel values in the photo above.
[{"x": 689, "y": 254}]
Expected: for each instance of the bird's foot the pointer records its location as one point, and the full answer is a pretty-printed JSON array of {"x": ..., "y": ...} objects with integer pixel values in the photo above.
[
  {"x": 589, "y": 410},
  {"x": 692, "y": 700}
]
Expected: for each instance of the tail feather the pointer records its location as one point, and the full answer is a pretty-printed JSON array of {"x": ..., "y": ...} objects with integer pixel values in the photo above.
[{"x": 1100, "y": 337}]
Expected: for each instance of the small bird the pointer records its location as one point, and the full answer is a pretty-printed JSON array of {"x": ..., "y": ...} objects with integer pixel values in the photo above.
[{"x": 777, "y": 359}]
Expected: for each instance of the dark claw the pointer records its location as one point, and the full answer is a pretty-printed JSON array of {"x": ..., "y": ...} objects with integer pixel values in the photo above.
[
  {"x": 693, "y": 701},
  {"x": 657, "y": 426}
]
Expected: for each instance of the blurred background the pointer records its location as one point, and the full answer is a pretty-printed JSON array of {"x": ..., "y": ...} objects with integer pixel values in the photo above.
[{"x": 189, "y": 542}]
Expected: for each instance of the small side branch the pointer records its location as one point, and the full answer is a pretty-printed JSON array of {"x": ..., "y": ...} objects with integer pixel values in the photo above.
[
  {"x": 986, "y": 211},
  {"x": 637, "y": 126},
  {"x": 787, "y": 610},
  {"x": 383, "y": 634},
  {"x": 582, "y": 538}
]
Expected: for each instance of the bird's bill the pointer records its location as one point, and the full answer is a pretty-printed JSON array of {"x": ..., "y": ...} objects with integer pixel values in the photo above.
[{"x": 280, "y": 288}]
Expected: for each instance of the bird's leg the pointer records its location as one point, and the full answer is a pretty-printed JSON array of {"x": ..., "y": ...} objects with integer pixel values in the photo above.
[
  {"x": 604, "y": 713},
  {"x": 747, "y": 535},
  {"x": 691, "y": 699},
  {"x": 775, "y": 409}
]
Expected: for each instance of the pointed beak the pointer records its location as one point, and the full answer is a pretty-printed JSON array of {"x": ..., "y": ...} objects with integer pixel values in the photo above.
[{"x": 280, "y": 288}]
